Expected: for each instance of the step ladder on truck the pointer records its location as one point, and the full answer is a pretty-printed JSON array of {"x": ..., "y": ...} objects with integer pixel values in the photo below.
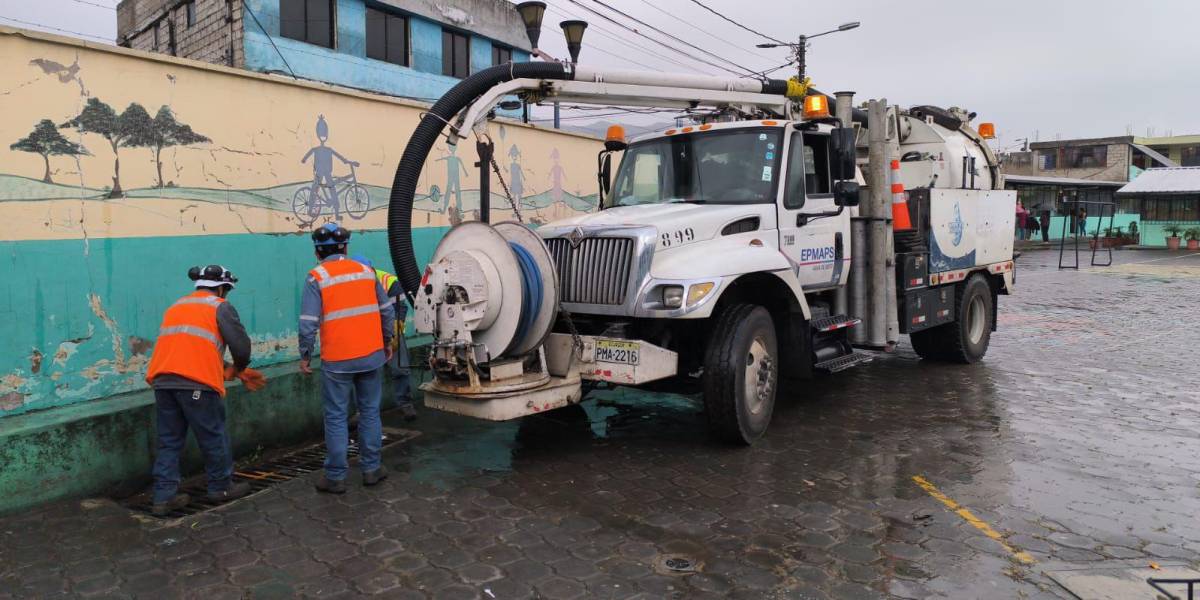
[{"x": 730, "y": 256}]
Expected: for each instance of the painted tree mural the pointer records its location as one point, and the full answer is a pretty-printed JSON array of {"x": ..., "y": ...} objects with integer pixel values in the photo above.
[
  {"x": 167, "y": 132},
  {"x": 46, "y": 140},
  {"x": 130, "y": 129}
]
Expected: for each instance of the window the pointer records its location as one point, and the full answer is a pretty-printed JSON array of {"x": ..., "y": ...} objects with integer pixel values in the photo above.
[
  {"x": 1189, "y": 156},
  {"x": 501, "y": 55},
  {"x": 307, "y": 20},
  {"x": 387, "y": 37},
  {"x": 156, "y": 37},
  {"x": 1083, "y": 157},
  {"x": 735, "y": 166},
  {"x": 808, "y": 169},
  {"x": 1047, "y": 160},
  {"x": 456, "y": 54},
  {"x": 189, "y": 9}
]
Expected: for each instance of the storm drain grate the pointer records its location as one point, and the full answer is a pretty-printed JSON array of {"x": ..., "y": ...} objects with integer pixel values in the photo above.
[
  {"x": 676, "y": 564},
  {"x": 263, "y": 475}
]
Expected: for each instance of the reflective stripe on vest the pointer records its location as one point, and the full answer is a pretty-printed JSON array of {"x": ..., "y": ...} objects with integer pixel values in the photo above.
[
  {"x": 189, "y": 342},
  {"x": 385, "y": 279},
  {"x": 351, "y": 326}
]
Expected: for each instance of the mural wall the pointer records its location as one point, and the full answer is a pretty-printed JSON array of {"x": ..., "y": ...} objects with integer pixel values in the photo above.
[{"x": 119, "y": 171}]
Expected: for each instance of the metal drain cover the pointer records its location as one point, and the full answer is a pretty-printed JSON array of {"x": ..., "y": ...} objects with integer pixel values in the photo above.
[
  {"x": 268, "y": 472},
  {"x": 676, "y": 564}
]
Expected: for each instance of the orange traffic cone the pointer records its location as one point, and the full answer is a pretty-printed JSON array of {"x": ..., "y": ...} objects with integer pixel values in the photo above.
[{"x": 900, "y": 220}]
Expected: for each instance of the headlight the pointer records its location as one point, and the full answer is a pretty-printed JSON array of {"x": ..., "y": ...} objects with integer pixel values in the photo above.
[
  {"x": 672, "y": 296},
  {"x": 697, "y": 292}
]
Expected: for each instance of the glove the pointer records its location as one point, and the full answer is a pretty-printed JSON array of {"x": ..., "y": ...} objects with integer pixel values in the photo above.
[
  {"x": 230, "y": 373},
  {"x": 253, "y": 379}
]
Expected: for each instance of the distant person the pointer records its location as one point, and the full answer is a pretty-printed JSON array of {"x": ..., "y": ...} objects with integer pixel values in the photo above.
[
  {"x": 1031, "y": 226},
  {"x": 1045, "y": 223},
  {"x": 398, "y": 366},
  {"x": 1083, "y": 221},
  {"x": 188, "y": 373}
]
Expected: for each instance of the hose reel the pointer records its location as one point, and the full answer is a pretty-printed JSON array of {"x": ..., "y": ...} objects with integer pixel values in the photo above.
[{"x": 489, "y": 292}]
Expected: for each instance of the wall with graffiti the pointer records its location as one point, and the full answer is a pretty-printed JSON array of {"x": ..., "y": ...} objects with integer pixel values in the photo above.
[{"x": 120, "y": 170}]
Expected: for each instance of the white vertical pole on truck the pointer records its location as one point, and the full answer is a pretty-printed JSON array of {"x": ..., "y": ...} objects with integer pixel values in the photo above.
[
  {"x": 893, "y": 153},
  {"x": 844, "y": 108},
  {"x": 880, "y": 201}
]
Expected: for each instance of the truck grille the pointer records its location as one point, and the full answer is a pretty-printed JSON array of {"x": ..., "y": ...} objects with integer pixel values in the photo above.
[{"x": 594, "y": 272}]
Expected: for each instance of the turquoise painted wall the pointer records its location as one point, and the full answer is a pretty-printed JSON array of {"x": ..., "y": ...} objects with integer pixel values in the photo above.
[
  {"x": 347, "y": 64},
  {"x": 1121, "y": 220},
  {"x": 89, "y": 318},
  {"x": 1154, "y": 235}
]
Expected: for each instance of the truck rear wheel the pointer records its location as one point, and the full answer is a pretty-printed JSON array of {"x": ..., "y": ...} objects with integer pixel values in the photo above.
[
  {"x": 966, "y": 339},
  {"x": 741, "y": 373}
]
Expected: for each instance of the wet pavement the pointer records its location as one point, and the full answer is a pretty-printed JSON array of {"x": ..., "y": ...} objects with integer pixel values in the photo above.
[{"x": 1074, "y": 442}]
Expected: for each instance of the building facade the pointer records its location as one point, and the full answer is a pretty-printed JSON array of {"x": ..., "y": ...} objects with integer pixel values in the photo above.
[
  {"x": 410, "y": 48},
  {"x": 1167, "y": 199}
]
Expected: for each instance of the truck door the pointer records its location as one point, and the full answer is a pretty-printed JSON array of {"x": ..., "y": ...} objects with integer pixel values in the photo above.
[{"x": 816, "y": 246}]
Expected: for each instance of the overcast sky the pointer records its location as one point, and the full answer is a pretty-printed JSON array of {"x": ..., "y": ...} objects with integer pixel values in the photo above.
[{"x": 1037, "y": 68}]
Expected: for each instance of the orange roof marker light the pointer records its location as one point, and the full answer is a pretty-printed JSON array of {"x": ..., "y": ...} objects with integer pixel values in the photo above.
[
  {"x": 614, "y": 138},
  {"x": 987, "y": 131},
  {"x": 706, "y": 127},
  {"x": 816, "y": 106},
  {"x": 687, "y": 129},
  {"x": 670, "y": 132},
  {"x": 770, "y": 123}
]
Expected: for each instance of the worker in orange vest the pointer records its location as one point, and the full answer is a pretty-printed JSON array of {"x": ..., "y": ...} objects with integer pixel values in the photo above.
[
  {"x": 345, "y": 303},
  {"x": 188, "y": 373}
]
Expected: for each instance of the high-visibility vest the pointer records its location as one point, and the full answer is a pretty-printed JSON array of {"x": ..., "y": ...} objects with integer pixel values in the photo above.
[
  {"x": 385, "y": 279},
  {"x": 350, "y": 323},
  {"x": 189, "y": 342}
]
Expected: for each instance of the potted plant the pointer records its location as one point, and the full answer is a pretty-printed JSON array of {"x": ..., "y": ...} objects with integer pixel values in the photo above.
[
  {"x": 1173, "y": 230},
  {"x": 1192, "y": 235}
]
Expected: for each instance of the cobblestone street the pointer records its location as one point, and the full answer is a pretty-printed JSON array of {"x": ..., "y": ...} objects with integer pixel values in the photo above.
[{"x": 1074, "y": 441}]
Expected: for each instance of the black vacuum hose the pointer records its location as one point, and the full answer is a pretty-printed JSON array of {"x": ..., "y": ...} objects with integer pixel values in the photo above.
[{"x": 404, "y": 186}]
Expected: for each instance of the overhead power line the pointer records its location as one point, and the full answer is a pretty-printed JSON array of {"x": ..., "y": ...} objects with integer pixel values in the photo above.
[
  {"x": 626, "y": 42},
  {"x": 58, "y": 29},
  {"x": 659, "y": 42},
  {"x": 104, "y": 6},
  {"x": 657, "y": 30},
  {"x": 703, "y": 31},
  {"x": 758, "y": 33}
]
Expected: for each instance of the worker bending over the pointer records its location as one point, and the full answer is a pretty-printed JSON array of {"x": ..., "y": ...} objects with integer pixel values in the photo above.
[
  {"x": 345, "y": 303},
  {"x": 188, "y": 373},
  {"x": 398, "y": 365}
]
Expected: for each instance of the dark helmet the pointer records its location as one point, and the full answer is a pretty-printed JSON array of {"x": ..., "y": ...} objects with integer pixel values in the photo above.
[
  {"x": 212, "y": 276},
  {"x": 330, "y": 234}
]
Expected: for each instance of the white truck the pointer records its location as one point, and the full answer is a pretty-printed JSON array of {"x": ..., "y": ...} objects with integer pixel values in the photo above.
[{"x": 720, "y": 256}]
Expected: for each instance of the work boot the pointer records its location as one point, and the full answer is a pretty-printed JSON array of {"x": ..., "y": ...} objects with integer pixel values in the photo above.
[
  {"x": 371, "y": 478},
  {"x": 162, "y": 509},
  {"x": 408, "y": 412},
  {"x": 330, "y": 486},
  {"x": 233, "y": 492}
]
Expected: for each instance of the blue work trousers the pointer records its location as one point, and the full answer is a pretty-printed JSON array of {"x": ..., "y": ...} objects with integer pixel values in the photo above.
[
  {"x": 338, "y": 391},
  {"x": 204, "y": 413}
]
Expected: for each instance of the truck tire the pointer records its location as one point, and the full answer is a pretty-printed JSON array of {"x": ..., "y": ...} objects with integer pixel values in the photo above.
[
  {"x": 740, "y": 374},
  {"x": 966, "y": 339}
]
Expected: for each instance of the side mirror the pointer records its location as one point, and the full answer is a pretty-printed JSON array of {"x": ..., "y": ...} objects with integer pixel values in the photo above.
[
  {"x": 605, "y": 173},
  {"x": 845, "y": 193},
  {"x": 844, "y": 154}
]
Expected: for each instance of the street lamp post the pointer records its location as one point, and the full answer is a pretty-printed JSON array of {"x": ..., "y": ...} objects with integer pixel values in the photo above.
[
  {"x": 532, "y": 13},
  {"x": 799, "y": 49}
]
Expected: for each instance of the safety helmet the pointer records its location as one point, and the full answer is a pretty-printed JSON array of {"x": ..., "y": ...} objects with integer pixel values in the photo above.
[
  {"x": 364, "y": 260},
  {"x": 330, "y": 234},
  {"x": 212, "y": 276}
]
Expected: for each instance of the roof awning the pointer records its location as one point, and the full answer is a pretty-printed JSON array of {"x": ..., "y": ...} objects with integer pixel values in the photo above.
[{"x": 1157, "y": 157}]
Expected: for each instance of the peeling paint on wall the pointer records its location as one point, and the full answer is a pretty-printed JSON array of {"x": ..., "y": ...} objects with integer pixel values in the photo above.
[{"x": 199, "y": 166}]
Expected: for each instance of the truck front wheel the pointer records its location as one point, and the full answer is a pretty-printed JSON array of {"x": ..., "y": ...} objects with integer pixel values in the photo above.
[
  {"x": 741, "y": 371},
  {"x": 966, "y": 339}
]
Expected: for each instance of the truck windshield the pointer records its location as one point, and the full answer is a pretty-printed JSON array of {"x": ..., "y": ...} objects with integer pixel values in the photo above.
[{"x": 738, "y": 166}]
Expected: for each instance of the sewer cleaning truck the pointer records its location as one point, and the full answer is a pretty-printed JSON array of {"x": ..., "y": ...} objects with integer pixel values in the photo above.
[{"x": 763, "y": 243}]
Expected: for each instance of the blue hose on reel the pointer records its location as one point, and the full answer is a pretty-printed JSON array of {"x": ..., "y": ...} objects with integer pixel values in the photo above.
[{"x": 531, "y": 291}]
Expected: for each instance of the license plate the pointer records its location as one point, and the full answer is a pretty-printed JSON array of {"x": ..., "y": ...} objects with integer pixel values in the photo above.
[{"x": 617, "y": 351}]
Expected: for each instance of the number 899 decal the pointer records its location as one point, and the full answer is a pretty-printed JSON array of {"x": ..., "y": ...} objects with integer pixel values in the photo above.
[{"x": 678, "y": 237}]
